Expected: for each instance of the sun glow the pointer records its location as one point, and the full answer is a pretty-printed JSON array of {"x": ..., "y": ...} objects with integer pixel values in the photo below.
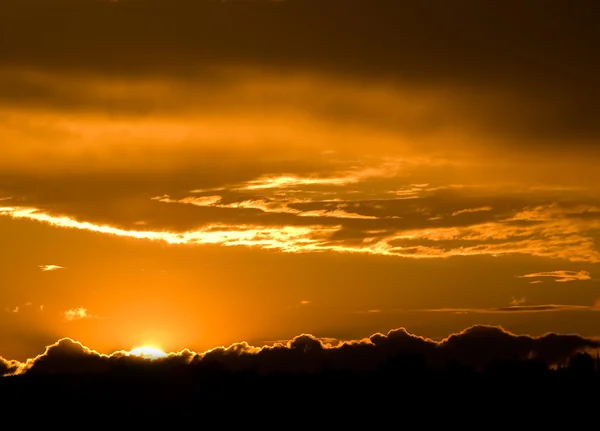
[{"x": 148, "y": 352}]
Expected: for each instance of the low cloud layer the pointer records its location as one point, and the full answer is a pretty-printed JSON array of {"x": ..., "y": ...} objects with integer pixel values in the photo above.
[{"x": 477, "y": 346}]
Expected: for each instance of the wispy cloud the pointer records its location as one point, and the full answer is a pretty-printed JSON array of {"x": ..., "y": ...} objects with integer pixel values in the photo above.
[
  {"x": 472, "y": 210},
  {"x": 77, "y": 314},
  {"x": 50, "y": 267},
  {"x": 517, "y": 301},
  {"x": 285, "y": 181},
  {"x": 24, "y": 308},
  {"x": 545, "y": 308},
  {"x": 267, "y": 206},
  {"x": 561, "y": 276},
  {"x": 281, "y": 206},
  {"x": 567, "y": 235},
  {"x": 338, "y": 213},
  {"x": 201, "y": 201},
  {"x": 385, "y": 168},
  {"x": 552, "y": 211}
]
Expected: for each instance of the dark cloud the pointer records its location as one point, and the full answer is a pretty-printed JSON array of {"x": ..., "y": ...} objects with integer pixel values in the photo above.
[
  {"x": 524, "y": 70},
  {"x": 413, "y": 38},
  {"x": 477, "y": 347},
  {"x": 515, "y": 309},
  {"x": 8, "y": 367}
]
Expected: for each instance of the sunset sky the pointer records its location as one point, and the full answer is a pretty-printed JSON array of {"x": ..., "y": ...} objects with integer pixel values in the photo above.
[{"x": 193, "y": 173}]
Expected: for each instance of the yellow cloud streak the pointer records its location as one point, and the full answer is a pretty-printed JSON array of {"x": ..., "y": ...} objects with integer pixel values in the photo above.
[
  {"x": 286, "y": 238},
  {"x": 561, "y": 276},
  {"x": 558, "y": 239}
]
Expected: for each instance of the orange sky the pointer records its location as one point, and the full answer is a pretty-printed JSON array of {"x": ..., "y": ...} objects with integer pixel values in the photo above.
[{"x": 278, "y": 168}]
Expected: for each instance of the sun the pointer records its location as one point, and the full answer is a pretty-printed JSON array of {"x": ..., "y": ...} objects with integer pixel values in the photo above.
[{"x": 148, "y": 352}]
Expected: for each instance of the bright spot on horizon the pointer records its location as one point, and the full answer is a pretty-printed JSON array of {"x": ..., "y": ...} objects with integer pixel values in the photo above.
[{"x": 148, "y": 352}]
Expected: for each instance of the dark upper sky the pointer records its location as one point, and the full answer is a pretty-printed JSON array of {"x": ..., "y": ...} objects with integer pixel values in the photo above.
[{"x": 537, "y": 55}]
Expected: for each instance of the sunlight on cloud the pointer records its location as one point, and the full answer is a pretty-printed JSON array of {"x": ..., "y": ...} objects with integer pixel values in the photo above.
[
  {"x": 204, "y": 201},
  {"x": 471, "y": 210},
  {"x": 552, "y": 211},
  {"x": 555, "y": 237},
  {"x": 265, "y": 206},
  {"x": 76, "y": 314},
  {"x": 148, "y": 352},
  {"x": 281, "y": 206},
  {"x": 561, "y": 276},
  {"x": 47, "y": 267},
  {"x": 336, "y": 214}
]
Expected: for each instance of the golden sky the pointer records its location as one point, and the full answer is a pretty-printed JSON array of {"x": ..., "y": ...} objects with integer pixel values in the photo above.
[{"x": 189, "y": 174}]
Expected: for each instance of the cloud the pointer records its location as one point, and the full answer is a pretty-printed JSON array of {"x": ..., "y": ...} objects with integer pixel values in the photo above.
[
  {"x": 50, "y": 267},
  {"x": 338, "y": 213},
  {"x": 551, "y": 211},
  {"x": 513, "y": 308},
  {"x": 517, "y": 301},
  {"x": 477, "y": 346},
  {"x": 77, "y": 314},
  {"x": 292, "y": 181},
  {"x": 472, "y": 210},
  {"x": 9, "y": 367},
  {"x": 305, "y": 302},
  {"x": 204, "y": 201},
  {"x": 505, "y": 55},
  {"x": 265, "y": 206},
  {"x": 561, "y": 276},
  {"x": 272, "y": 205},
  {"x": 564, "y": 232}
]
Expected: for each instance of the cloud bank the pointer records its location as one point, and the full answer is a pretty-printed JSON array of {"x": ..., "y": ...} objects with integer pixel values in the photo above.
[{"x": 477, "y": 347}]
